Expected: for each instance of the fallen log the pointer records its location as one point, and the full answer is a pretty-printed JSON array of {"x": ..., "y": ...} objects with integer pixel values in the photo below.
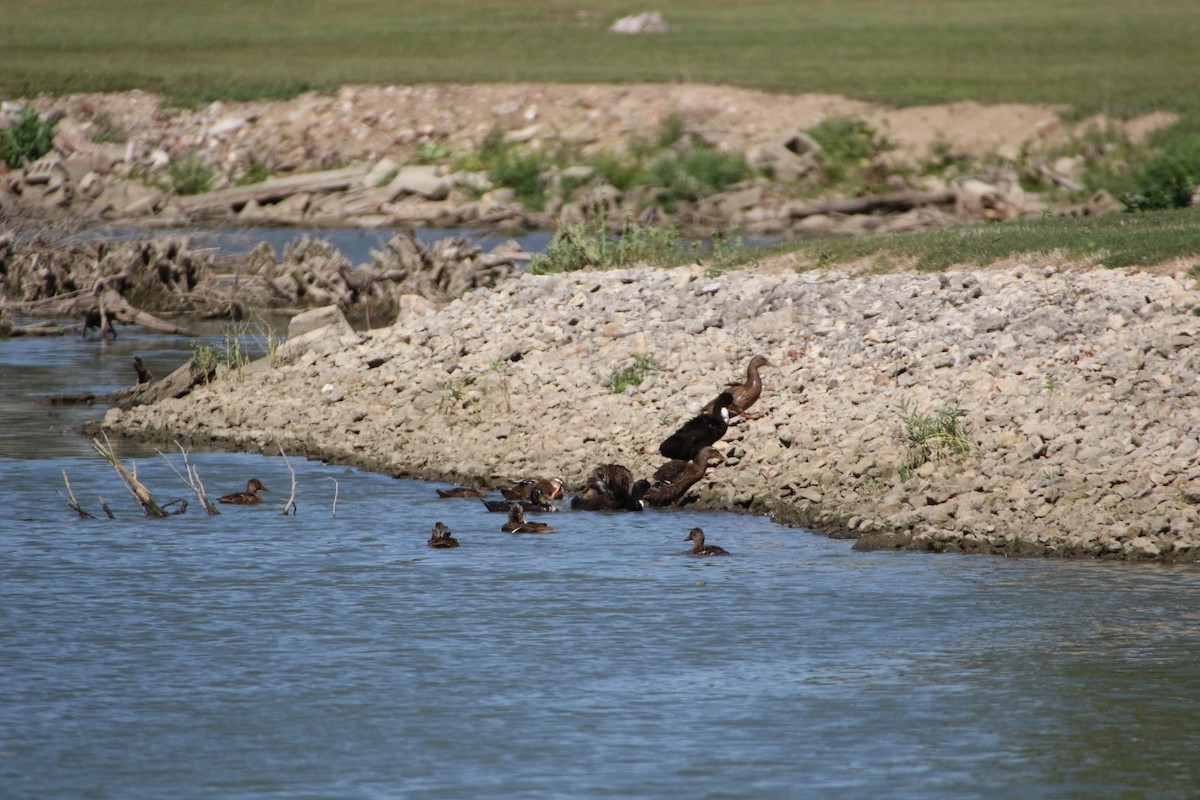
[
  {"x": 229, "y": 201},
  {"x": 893, "y": 202}
]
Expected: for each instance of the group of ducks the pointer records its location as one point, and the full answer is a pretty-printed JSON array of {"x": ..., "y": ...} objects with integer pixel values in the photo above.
[{"x": 612, "y": 487}]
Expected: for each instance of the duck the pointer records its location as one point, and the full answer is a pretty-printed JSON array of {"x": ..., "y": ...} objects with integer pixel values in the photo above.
[
  {"x": 517, "y": 524},
  {"x": 745, "y": 394},
  {"x": 699, "y": 548},
  {"x": 611, "y": 487},
  {"x": 672, "y": 480},
  {"x": 250, "y": 497},
  {"x": 441, "y": 537},
  {"x": 537, "y": 502},
  {"x": 699, "y": 432},
  {"x": 523, "y": 489},
  {"x": 474, "y": 490},
  {"x": 143, "y": 372}
]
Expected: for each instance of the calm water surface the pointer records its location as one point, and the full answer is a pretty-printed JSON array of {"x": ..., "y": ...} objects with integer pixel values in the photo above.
[{"x": 323, "y": 655}]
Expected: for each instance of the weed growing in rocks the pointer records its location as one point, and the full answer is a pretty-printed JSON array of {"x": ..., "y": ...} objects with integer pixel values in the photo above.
[
  {"x": 632, "y": 374},
  {"x": 28, "y": 138},
  {"x": 847, "y": 147},
  {"x": 588, "y": 244},
  {"x": 456, "y": 395},
  {"x": 728, "y": 251},
  {"x": 205, "y": 360},
  {"x": 189, "y": 174},
  {"x": 932, "y": 437}
]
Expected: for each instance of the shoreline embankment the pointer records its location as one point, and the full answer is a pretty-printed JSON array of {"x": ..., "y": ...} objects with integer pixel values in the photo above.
[{"x": 1077, "y": 390}]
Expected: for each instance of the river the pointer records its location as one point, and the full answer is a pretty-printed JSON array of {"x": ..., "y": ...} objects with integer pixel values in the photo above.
[{"x": 331, "y": 654}]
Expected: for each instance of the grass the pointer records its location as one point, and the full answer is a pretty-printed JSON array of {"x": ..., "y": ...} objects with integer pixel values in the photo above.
[
  {"x": 1115, "y": 240},
  {"x": 1098, "y": 55},
  {"x": 932, "y": 437},
  {"x": 631, "y": 374}
]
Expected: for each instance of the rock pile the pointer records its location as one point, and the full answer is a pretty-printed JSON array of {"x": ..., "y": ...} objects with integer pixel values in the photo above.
[{"x": 1077, "y": 390}]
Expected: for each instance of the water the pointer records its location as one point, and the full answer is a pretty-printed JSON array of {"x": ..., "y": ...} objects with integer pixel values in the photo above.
[{"x": 256, "y": 655}]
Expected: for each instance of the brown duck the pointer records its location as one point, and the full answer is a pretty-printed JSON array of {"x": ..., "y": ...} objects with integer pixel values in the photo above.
[
  {"x": 517, "y": 524},
  {"x": 474, "y": 490},
  {"x": 250, "y": 497},
  {"x": 699, "y": 432},
  {"x": 536, "y": 502},
  {"x": 441, "y": 537},
  {"x": 699, "y": 548},
  {"x": 523, "y": 490},
  {"x": 611, "y": 487},
  {"x": 745, "y": 394},
  {"x": 674, "y": 478}
]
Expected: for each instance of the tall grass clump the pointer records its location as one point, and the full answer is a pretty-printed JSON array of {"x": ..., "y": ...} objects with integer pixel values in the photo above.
[
  {"x": 188, "y": 173},
  {"x": 847, "y": 146},
  {"x": 1170, "y": 178},
  {"x": 695, "y": 173}
]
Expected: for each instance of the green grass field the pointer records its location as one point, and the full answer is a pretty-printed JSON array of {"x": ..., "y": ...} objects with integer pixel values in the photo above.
[{"x": 1094, "y": 55}]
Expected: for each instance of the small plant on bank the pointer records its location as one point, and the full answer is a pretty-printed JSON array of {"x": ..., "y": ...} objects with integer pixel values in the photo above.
[
  {"x": 455, "y": 394},
  {"x": 28, "y": 138},
  {"x": 932, "y": 437},
  {"x": 588, "y": 244},
  {"x": 204, "y": 361},
  {"x": 500, "y": 367},
  {"x": 189, "y": 174},
  {"x": 1169, "y": 179},
  {"x": 632, "y": 374},
  {"x": 695, "y": 173},
  {"x": 727, "y": 250},
  {"x": 106, "y": 131},
  {"x": 255, "y": 171},
  {"x": 431, "y": 151}
]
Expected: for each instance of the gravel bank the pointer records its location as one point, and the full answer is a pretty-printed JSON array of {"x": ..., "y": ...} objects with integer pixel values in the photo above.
[{"x": 1079, "y": 390}]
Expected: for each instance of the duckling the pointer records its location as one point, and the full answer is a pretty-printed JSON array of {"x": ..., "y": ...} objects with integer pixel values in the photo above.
[
  {"x": 700, "y": 431},
  {"x": 250, "y": 497},
  {"x": 699, "y": 548},
  {"x": 517, "y": 524},
  {"x": 441, "y": 537},
  {"x": 474, "y": 490}
]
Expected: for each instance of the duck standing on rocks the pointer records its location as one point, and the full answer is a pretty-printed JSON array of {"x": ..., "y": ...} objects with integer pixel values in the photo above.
[
  {"x": 747, "y": 393},
  {"x": 699, "y": 548},
  {"x": 700, "y": 431},
  {"x": 523, "y": 490},
  {"x": 537, "y": 502},
  {"x": 474, "y": 490},
  {"x": 611, "y": 487},
  {"x": 672, "y": 480},
  {"x": 441, "y": 537},
  {"x": 517, "y": 524},
  {"x": 250, "y": 497}
]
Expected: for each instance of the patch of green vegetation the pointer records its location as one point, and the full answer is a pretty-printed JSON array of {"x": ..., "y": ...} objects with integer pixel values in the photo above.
[
  {"x": 189, "y": 173},
  {"x": 27, "y": 138},
  {"x": 932, "y": 437},
  {"x": 847, "y": 148},
  {"x": 253, "y": 172},
  {"x": 587, "y": 244},
  {"x": 695, "y": 173},
  {"x": 204, "y": 360},
  {"x": 633, "y": 374},
  {"x": 106, "y": 131},
  {"x": 728, "y": 251},
  {"x": 1171, "y": 176},
  {"x": 431, "y": 151},
  {"x": 1116, "y": 240}
]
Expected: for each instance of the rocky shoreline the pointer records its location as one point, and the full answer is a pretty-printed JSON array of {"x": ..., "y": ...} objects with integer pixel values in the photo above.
[{"x": 1077, "y": 389}]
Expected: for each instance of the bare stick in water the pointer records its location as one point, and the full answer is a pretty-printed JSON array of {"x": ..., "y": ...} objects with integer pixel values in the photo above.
[
  {"x": 71, "y": 498},
  {"x": 129, "y": 476},
  {"x": 336, "y": 487},
  {"x": 192, "y": 479},
  {"x": 291, "y": 503}
]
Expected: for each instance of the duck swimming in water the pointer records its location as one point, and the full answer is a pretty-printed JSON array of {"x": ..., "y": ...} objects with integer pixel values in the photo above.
[
  {"x": 699, "y": 548},
  {"x": 611, "y": 487},
  {"x": 441, "y": 538},
  {"x": 517, "y": 523},
  {"x": 536, "y": 502},
  {"x": 250, "y": 497},
  {"x": 474, "y": 490},
  {"x": 744, "y": 394},
  {"x": 523, "y": 490},
  {"x": 699, "y": 432},
  {"x": 672, "y": 480}
]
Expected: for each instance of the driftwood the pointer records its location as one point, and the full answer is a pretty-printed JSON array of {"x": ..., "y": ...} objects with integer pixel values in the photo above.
[
  {"x": 177, "y": 384},
  {"x": 129, "y": 476},
  {"x": 192, "y": 479},
  {"x": 75, "y": 503},
  {"x": 290, "y": 505},
  {"x": 893, "y": 202},
  {"x": 225, "y": 201}
]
